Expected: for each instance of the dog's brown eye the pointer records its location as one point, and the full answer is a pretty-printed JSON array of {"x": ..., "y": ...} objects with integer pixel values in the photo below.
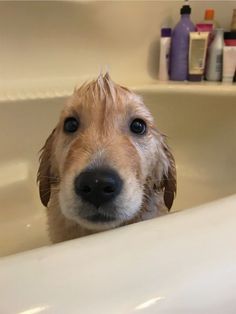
[
  {"x": 71, "y": 125},
  {"x": 138, "y": 126}
]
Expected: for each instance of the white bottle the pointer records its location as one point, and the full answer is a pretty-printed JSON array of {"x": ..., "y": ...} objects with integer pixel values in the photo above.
[
  {"x": 229, "y": 63},
  {"x": 164, "y": 54},
  {"x": 215, "y": 57}
]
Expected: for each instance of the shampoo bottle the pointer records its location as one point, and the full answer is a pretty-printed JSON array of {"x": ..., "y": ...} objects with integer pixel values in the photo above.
[
  {"x": 209, "y": 18},
  {"x": 210, "y": 23},
  {"x": 164, "y": 54},
  {"x": 215, "y": 57},
  {"x": 180, "y": 46}
]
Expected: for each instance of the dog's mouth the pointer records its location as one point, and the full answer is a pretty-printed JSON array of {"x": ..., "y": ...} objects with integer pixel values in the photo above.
[{"x": 100, "y": 218}]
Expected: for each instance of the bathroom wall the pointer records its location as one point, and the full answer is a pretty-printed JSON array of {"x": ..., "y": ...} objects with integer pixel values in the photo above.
[{"x": 48, "y": 44}]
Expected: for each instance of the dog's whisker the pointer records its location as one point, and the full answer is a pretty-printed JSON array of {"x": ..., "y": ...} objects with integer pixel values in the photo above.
[
  {"x": 50, "y": 189},
  {"x": 54, "y": 177},
  {"x": 49, "y": 177},
  {"x": 44, "y": 194}
]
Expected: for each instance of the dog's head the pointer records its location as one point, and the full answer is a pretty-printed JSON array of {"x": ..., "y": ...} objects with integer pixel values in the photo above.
[{"x": 105, "y": 157}]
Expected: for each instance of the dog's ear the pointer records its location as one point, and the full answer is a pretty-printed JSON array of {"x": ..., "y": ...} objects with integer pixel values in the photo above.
[
  {"x": 45, "y": 176},
  {"x": 168, "y": 183}
]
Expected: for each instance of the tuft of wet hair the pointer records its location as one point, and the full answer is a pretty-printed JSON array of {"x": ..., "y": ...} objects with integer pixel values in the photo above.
[{"x": 103, "y": 88}]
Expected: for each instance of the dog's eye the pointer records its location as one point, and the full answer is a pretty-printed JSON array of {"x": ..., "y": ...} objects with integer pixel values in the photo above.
[
  {"x": 138, "y": 126},
  {"x": 71, "y": 125}
]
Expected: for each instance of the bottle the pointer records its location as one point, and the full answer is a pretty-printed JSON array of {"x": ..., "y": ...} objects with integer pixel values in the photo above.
[
  {"x": 233, "y": 23},
  {"x": 164, "y": 54},
  {"x": 180, "y": 46},
  {"x": 215, "y": 57},
  {"x": 230, "y": 38},
  {"x": 207, "y": 25},
  {"x": 209, "y": 18},
  {"x": 229, "y": 63}
]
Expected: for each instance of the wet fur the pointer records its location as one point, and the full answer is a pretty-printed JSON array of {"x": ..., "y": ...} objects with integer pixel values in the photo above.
[{"x": 145, "y": 163}]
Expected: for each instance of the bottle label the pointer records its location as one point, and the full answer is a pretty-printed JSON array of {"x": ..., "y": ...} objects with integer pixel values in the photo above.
[
  {"x": 219, "y": 59},
  {"x": 197, "y": 59}
]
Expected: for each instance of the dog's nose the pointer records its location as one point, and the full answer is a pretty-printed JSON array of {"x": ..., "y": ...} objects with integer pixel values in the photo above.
[{"x": 98, "y": 186}]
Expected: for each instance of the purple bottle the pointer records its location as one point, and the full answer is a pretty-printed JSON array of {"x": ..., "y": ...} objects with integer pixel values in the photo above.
[{"x": 180, "y": 46}]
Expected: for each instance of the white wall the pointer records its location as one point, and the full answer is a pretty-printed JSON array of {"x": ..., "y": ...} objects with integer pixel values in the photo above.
[{"x": 53, "y": 42}]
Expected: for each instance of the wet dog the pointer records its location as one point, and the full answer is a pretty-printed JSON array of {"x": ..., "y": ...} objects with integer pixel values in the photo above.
[{"x": 105, "y": 164}]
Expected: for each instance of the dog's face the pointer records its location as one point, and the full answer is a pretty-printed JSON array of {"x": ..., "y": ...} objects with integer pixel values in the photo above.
[{"x": 103, "y": 157}]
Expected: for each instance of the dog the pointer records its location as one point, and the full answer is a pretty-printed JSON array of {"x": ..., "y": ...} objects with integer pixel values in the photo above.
[{"x": 105, "y": 164}]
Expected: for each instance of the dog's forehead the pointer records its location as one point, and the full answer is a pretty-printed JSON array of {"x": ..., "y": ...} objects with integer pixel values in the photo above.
[{"x": 104, "y": 96}]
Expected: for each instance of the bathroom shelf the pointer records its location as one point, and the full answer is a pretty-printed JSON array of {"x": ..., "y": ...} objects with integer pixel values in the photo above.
[
  {"x": 63, "y": 87},
  {"x": 210, "y": 88}
]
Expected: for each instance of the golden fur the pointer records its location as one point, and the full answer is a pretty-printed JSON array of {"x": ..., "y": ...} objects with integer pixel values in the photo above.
[{"x": 145, "y": 163}]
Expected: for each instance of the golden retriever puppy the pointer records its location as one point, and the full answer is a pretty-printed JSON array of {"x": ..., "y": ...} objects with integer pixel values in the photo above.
[{"x": 105, "y": 164}]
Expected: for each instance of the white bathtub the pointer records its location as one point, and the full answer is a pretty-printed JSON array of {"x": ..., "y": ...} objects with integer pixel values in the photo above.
[
  {"x": 161, "y": 266},
  {"x": 201, "y": 129}
]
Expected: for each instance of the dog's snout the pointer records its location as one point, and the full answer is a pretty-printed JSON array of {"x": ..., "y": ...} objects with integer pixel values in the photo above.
[{"x": 98, "y": 186}]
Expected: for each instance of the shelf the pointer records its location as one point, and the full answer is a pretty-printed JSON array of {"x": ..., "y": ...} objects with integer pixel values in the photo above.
[
  {"x": 210, "y": 88},
  {"x": 63, "y": 87}
]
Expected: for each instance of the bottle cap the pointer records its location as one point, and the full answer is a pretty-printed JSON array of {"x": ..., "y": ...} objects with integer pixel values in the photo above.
[
  {"x": 185, "y": 9},
  {"x": 229, "y": 35},
  {"x": 166, "y": 32},
  {"x": 209, "y": 14}
]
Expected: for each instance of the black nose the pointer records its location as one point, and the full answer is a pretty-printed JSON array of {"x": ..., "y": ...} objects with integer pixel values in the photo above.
[{"x": 98, "y": 186}]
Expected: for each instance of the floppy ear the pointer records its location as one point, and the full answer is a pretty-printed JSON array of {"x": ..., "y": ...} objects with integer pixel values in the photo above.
[
  {"x": 169, "y": 179},
  {"x": 45, "y": 176}
]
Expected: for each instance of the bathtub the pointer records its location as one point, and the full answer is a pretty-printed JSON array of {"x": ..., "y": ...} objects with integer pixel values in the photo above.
[{"x": 184, "y": 262}]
